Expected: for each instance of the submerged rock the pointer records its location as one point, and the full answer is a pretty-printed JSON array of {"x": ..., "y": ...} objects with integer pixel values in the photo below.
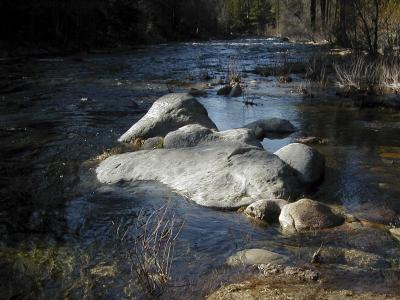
[
  {"x": 270, "y": 127},
  {"x": 218, "y": 175},
  {"x": 266, "y": 210},
  {"x": 306, "y": 214},
  {"x": 255, "y": 257},
  {"x": 352, "y": 257},
  {"x": 306, "y": 160},
  {"x": 236, "y": 91},
  {"x": 193, "y": 135},
  {"x": 224, "y": 91},
  {"x": 167, "y": 114}
]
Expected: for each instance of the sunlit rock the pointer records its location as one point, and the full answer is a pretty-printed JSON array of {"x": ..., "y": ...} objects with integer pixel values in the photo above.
[
  {"x": 306, "y": 214},
  {"x": 153, "y": 143},
  {"x": 194, "y": 134},
  {"x": 255, "y": 257},
  {"x": 167, "y": 114},
  {"x": 220, "y": 175},
  {"x": 306, "y": 160},
  {"x": 266, "y": 210}
]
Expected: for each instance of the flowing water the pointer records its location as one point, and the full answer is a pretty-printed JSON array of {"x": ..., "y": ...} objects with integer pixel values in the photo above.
[{"x": 58, "y": 224}]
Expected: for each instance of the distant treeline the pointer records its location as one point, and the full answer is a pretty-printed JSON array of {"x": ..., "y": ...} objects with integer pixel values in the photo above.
[
  {"x": 373, "y": 25},
  {"x": 88, "y": 23}
]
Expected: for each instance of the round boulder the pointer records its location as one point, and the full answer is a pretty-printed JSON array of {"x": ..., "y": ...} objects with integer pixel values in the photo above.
[
  {"x": 266, "y": 210},
  {"x": 307, "y": 214},
  {"x": 307, "y": 161},
  {"x": 167, "y": 114},
  {"x": 187, "y": 136}
]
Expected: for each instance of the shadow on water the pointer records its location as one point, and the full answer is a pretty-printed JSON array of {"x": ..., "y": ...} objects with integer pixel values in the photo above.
[{"x": 57, "y": 223}]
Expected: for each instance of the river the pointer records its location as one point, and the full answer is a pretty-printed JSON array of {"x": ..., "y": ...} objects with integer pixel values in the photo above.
[{"x": 58, "y": 223}]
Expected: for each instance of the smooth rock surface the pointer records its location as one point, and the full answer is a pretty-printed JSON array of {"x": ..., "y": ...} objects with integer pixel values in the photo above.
[
  {"x": 306, "y": 214},
  {"x": 167, "y": 114},
  {"x": 222, "y": 176},
  {"x": 266, "y": 210},
  {"x": 193, "y": 135},
  {"x": 255, "y": 257},
  {"x": 306, "y": 160},
  {"x": 271, "y": 127}
]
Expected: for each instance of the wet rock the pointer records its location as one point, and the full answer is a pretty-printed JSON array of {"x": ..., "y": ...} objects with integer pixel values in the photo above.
[
  {"x": 193, "y": 135},
  {"x": 217, "y": 175},
  {"x": 352, "y": 257},
  {"x": 375, "y": 212},
  {"x": 153, "y": 143},
  {"x": 267, "y": 127},
  {"x": 306, "y": 214},
  {"x": 167, "y": 114},
  {"x": 294, "y": 272},
  {"x": 224, "y": 91},
  {"x": 306, "y": 160},
  {"x": 395, "y": 232},
  {"x": 236, "y": 91},
  {"x": 266, "y": 210},
  {"x": 255, "y": 257}
]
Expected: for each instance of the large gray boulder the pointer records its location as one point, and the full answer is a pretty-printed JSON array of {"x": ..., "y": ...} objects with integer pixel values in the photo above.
[
  {"x": 220, "y": 175},
  {"x": 271, "y": 127},
  {"x": 306, "y": 160},
  {"x": 256, "y": 257},
  {"x": 194, "y": 134},
  {"x": 306, "y": 214},
  {"x": 266, "y": 210},
  {"x": 167, "y": 114}
]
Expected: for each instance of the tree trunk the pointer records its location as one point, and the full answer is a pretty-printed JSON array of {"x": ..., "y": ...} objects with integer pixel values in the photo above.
[{"x": 313, "y": 9}]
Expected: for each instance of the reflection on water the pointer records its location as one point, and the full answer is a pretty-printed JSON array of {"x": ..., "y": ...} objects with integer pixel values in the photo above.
[{"x": 57, "y": 114}]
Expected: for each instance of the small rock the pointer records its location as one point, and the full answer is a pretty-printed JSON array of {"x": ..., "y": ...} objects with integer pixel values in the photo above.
[
  {"x": 266, "y": 210},
  {"x": 194, "y": 135},
  {"x": 269, "y": 128},
  {"x": 224, "y": 91},
  {"x": 285, "y": 79},
  {"x": 306, "y": 160},
  {"x": 255, "y": 257},
  {"x": 306, "y": 214},
  {"x": 236, "y": 91}
]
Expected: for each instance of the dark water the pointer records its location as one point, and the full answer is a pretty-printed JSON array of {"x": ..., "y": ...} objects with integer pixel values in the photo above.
[{"x": 58, "y": 222}]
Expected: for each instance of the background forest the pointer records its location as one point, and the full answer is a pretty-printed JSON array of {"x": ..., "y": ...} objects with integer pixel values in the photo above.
[{"x": 371, "y": 25}]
